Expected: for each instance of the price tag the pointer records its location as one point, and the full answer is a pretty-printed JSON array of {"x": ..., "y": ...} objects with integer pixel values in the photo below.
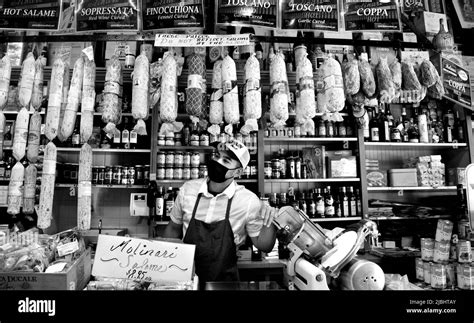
[
  {"x": 72, "y": 191},
  {"x": 89, "y": 52},
  {"x": 345, "y": 145},
  {"x": 400, "y": 193}
]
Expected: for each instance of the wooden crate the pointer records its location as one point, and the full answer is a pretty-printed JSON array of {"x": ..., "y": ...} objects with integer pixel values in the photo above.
[{"x": 75, "y": 278}]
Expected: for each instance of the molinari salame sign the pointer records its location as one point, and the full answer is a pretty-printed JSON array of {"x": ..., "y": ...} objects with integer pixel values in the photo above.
[
  {"x": 380, "y": 15},
  {"x": 172, "y": 14},
  {"x": 29, "y": 14},
  {"x": 107, "y": 15}
]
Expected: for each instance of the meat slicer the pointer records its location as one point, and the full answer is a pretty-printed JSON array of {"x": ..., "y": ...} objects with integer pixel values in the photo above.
[{"x": 326, "y": 259}]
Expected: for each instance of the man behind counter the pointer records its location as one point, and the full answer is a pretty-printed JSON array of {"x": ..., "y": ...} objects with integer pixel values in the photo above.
[{"x": 216, "y": 214}]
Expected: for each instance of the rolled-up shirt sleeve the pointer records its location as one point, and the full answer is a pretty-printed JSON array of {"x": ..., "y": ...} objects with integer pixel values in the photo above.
[
  {"x": 254, "y": 221},
  {"x": 177, "y": 210}
]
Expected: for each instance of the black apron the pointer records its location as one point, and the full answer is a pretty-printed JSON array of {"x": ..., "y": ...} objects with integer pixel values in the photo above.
[{"x": 215, "y": 257}]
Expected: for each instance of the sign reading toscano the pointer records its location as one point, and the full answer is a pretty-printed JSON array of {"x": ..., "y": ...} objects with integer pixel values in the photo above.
[
  {"x": 29, "y": 14},
  {"x": 310, "y": 15},
  {"x": 145, "y": 260},
  {"x": 172, "y": 14},
  {"x": 107, "y": 15},
  {"x": 261, "y": 13},
  {"x": 380, "y": 15}
]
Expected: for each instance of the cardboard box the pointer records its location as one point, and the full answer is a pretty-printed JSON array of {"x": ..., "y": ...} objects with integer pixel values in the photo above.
[
  {"x": 402, "y": 177},
  {"x": 342, "y": 167},
  {"x": 75, "y": 278},
  {"x": 314, "y": 158},
  {"x": 377, "y": 178}
]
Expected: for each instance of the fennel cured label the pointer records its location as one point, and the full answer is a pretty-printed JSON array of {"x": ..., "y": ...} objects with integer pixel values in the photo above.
[
  {"x": 310, "y": 15},
  {"x": 262, "y": 13},
  {"x": 172, "y": 14},
  {"x": 105, "y": 15},
  {"x": 29, "y": 15},
  {"x": 380, "y": 15}
]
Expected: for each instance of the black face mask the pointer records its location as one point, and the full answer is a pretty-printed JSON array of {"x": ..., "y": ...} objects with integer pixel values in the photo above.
[{"x": 217, "y": 172}]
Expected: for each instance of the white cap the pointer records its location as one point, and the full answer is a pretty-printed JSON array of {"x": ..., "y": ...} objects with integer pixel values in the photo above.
[{"x": 239, "y": 150}]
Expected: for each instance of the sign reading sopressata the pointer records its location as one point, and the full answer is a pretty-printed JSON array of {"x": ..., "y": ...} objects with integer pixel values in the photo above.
[
  {"x": 261, "y": 13},
  {"x": 310, "y": 15},
  {"x": 172, "y": 14},
  {"x": 29, "y": 14},
  {"x": 107, "y": 15},
  {"x": 379, "y": 15},
  {"x": 145, "y": 260}
]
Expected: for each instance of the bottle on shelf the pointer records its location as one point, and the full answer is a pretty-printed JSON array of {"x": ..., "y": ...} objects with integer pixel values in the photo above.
[
  {"x": 169, "y": 203},
  {"x": 374, "y": 128},
  {"x": 358, "y": 202},
  {"x": 366, "y": 128},
  {"x": 352, "y": 202},
  {"x": 125, "y": 140},
  {"x": 337, "y": 204},
  {"x": 462, "y": 219},
  {"x": 345, "y": 202},
  {"x": 458, "y": 128},
  {"x": 133, "y": 138},
  {"x": 384, "y": 130},
  {"x": 159, "y": 204},
  {"x": 312, "y": 212},
  {"x": 302, "y": 203},
  {"x": 76, "y": 137},
  {"x": 422, "y": 126},
  {"x": 413, "y": 133},
  {"x": 329, "y": 211},
  {"x": 396, "y": 131},
  {"x": 320, "y": 206},
  {"x": 322, "y": 130},
  {"x": 449, "y": 126},
  {"x": 117, "y": 138}
]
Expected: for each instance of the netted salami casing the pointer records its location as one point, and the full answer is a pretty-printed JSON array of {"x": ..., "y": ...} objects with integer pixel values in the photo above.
[
  {"x": 351, "y": 76},
  {"x": 279, "y": 91},
  {"x": 194, "y": 97},
  {"x": 384, "y": 81},
  {"x": 230, "y": 91},
  {"x": 367, "y": 77}
]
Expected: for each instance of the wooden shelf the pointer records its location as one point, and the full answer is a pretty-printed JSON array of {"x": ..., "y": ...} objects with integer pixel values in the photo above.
[
  {"x": 106, "y": 186},
  {"x": 417, "y": 145},
  {"x": 411, "y": 188},
  {"x": 105, "y": 151},
  {"x": 311, "y": 139},
  {"x": 342, "y": 219},
  {"x": 390, "y": 218},
  {"x": 312, "y": 180},
  {"x": 210, "y": 148}
]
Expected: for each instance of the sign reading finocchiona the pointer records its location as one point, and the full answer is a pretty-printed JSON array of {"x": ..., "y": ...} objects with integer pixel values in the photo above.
[{"x": 172, "y": 14}]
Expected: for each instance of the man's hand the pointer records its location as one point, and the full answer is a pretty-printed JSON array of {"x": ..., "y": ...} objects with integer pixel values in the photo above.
[{"x": 268, "y": 213}]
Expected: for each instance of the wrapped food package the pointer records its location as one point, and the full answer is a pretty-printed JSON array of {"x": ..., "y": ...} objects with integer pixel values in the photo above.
[
  {"x": 21, "y": 134},
  {"x": 34, "y": 136},
  {"x": 351, "y": 76},
  {"x": 252, "y": 95},
  {"x": 3, "y": 122},
  {"x": 26, "y": 80},
  {"x": 429, "y": 73},
  {"x": 5, "y": 74},
  {"x": 279, "y": 91},
  {"x": 64, "y": 101},
  {"x": 48, "y": 179},
  {"x": 37, "y": 94},
  {"x": 84, "y": 190},
  {"x": 29, "y": 191},
  {"x": 55, "y": 98},
  {"x": 194, "y": 97},
  {"x": 87, "y": 100},
  {"x": 230, "y": 91},
  {"x": 410, "y": 80},
  {"x": 367, "y": 77},
  {"x": 305, "y": 95},
  {"x": 384, "y": 81},
  {"x": 330, "y": 90},
  {"x": 216, "y": 106},
  {"x": 169, "y": 98},
  {"x": 15, "y": 189},
  {"x": 140, "y": 94},
  {"x": 112, "y": 109},
  {"x": 73, "y": 99}
]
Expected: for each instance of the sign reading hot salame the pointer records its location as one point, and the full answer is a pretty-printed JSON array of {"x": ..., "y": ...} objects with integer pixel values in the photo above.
[
  {"x": 29, "y": 14},
  {"x": 172, "y": 14},
  {"x": 380, "y": 15},
  {"x": 107, "y": 15}
]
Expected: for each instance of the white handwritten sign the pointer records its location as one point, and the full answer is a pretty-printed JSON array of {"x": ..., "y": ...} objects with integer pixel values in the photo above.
[
  {"x": 140, "y": 259},
  {"x": 197, "y": 40}
]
